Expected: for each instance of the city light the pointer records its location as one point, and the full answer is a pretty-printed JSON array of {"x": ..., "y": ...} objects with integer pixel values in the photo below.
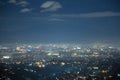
[{"x": 55, "y": 61}]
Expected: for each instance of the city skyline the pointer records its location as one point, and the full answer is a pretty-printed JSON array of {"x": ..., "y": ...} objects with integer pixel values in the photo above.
[{"x": 59, "y": 21}]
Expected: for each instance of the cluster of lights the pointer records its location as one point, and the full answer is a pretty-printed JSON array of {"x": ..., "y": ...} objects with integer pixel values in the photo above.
[{"x": 39, "y": 64}]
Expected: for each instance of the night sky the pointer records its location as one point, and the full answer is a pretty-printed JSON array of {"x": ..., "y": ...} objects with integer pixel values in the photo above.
[{"x": 59, "y": 21}]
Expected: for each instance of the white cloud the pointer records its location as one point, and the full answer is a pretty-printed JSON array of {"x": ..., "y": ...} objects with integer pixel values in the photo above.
[
  {"x": 50, "y": 6},
  {"x": 20, "y": 3},
  {"x": 90, "y": 15},
  {"x": 12, "y": 1},
  {"x": 25, "y": 10},
  {"x": 56, "y": 19},
  {"x": 101, "y": 14},
  {"x": 23, "y": 3}
]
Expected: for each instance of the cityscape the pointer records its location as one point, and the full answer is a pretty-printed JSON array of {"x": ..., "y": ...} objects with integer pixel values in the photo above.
[
  {"x": 59, "y": 62},
  {"x": 59, "y": 39}
]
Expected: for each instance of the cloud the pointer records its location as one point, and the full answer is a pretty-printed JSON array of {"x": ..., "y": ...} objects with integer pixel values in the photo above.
[
  {"x": 12, "y": 1},
  {"x": 20, "y": 3},
  {"x": 50, "y": 6},
  {"x": 100, "y": 14},
  {"x": 23, "y": 3},
  {"x": 25, "y": 10},
  {"x": 55, "y": 19},
  {"x": 89, "y": 15}
]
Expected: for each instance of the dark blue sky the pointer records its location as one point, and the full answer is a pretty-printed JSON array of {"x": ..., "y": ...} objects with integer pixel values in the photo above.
[{"x": 59, "y": 21}]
